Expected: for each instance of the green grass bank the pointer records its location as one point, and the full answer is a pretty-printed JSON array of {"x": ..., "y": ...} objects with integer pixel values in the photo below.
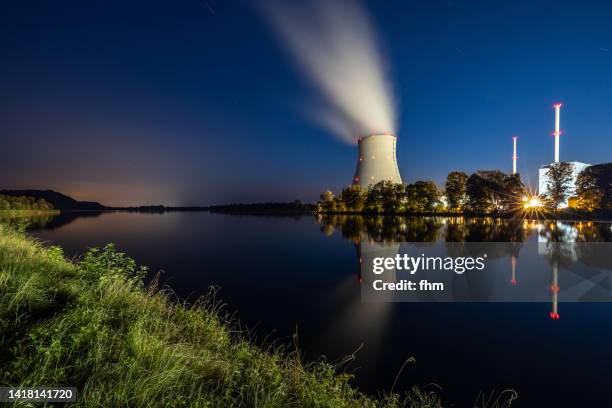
[{"x": 92, "y": 323}]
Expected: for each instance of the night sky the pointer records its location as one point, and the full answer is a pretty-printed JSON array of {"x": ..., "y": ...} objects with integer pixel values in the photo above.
[{"x": 198, "y": 102}]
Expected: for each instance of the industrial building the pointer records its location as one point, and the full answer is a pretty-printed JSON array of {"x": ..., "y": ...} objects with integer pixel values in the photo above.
[
  {"x": 577, "y": 167},
  {"x": 543, "y": 179}
]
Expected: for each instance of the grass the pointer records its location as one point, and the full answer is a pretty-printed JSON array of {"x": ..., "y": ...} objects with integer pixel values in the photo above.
[{"x": 92, "y": 324}]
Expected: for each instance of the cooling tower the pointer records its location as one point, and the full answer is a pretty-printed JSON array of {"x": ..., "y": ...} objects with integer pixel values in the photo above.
[{"x": 377, "y": 160}]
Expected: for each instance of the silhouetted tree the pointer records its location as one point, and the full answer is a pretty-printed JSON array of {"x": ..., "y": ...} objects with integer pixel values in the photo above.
[
  {"x": 491, "y": 191},
  {"x": 588, "y": 195},
  {"x": 594, "y": 188},
  {"x": 456, "y": 190},
  {"x": 558, "y": 184},
  {"x": 328, "y": 202},
  {"x": 513, "y": 191},
  {"x": 353, "y": 198},
  {"x": 423, "y": 196}
]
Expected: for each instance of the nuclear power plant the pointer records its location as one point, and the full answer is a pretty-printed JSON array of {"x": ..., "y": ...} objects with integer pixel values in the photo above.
[{"x": 376, "y": 161}]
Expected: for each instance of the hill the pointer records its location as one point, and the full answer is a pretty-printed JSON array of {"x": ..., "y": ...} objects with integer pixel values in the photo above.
[{"x": 59, "y": 201}]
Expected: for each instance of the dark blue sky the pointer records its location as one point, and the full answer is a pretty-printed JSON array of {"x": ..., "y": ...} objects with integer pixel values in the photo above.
[{"x": 197, "y": 102}]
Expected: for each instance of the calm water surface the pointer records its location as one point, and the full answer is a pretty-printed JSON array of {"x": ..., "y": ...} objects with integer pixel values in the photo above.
[{"x": 282, "y": 274}]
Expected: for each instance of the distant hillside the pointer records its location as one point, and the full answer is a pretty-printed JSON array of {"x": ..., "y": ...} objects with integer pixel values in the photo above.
[{"x": 59, "y": 201}]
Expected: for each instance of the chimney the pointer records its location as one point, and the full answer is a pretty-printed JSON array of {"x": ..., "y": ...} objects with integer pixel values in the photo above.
[
  {"x": 514, "y": 157},
  {"x": 557, "y": 133}
]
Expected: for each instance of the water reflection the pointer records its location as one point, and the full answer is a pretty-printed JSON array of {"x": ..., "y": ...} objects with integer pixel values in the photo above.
[
  {"x": 35, "y": 222},
  {"x": 47, "y": 222},
  {"x": 537, "y": 254},
  {"x": 563, "y": 260},
  {"x": 461, "y": 229}
]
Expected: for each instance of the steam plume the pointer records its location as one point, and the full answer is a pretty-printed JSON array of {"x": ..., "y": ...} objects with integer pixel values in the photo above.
[{"x": 335, "y": 45}]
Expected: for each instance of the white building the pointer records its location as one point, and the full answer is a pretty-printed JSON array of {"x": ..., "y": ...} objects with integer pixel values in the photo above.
[{"x": 543, "y": 179}]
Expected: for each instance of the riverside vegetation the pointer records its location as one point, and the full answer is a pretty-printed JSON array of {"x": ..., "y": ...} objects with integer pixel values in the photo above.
[
  {"x": 93, "y": 324},
  {"x": 24, "y": 206},
  {"x": 485, "y": 192}
]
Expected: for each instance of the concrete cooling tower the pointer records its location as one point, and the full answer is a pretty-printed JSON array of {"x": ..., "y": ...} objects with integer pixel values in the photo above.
[{"x": 377, "y": 160}]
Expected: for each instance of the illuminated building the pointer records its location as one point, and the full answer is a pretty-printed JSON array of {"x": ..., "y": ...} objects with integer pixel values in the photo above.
[{"x": 577, "y": 167}]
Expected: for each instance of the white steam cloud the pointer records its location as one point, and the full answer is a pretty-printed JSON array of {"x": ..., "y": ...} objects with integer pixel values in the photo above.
[{"x": 335, "y": 44}]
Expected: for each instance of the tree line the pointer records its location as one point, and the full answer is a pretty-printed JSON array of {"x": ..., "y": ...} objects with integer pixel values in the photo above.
[
  {"x": 483, "y": 192},
  {"x": 486, "y": 191},
  {"x": 15, "y": 203}
]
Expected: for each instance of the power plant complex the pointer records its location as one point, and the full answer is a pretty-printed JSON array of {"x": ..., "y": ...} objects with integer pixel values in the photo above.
[{"x": 377, "y": 160}]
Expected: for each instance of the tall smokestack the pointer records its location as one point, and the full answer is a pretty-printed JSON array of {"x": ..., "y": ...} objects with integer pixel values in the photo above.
[
  {"x": 557, "y": 133},
  {"x": 377, "y": 161},
  {"x": 514, "y": 157}
]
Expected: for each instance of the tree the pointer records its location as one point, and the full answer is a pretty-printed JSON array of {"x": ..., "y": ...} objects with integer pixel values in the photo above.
[
  {"x": 43, "y": 204},
  {"x": 374, "y": 198},
  {"x": 594, "y": 188},
  {"x": 559, "y": 183},
  {"x": 456, "y": 189},
  {"x": 513, "y": 191},
  {"x": 385, "y": 196},
  {"x": 353, "y": 198},
  {"x": 588, "y": 194},
  {"x": 394, "y": 197},
  {"x": 328, "y": 201},
  {"x": 484, "y": 190},
  {"x": 327, "y": 196},
  {"x": 422, "y": 196},
  {"x": 491, "y": 191}
]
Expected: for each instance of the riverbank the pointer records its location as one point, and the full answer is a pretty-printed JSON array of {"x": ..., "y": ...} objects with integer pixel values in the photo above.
[
  {"x": 27, "y": 213},
  {"x": 94, "y": 325}
]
